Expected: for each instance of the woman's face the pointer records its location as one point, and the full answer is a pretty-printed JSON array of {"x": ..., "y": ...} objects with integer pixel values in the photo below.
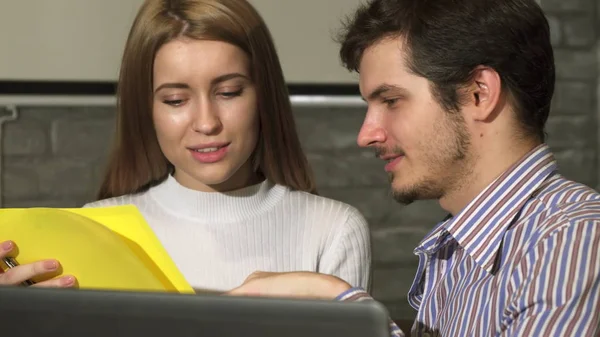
[{"x": 205, "y": 113}]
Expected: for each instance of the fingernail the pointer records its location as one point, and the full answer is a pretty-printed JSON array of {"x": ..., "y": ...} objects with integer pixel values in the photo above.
[
  {"x": 67, "y": 281},
  {"x": 50, "y": 264},
  {"x": 7, "y": 245}
]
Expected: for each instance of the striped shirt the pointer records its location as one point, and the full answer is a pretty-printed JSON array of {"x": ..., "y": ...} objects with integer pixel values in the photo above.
[{"x": 522, "y": 259}]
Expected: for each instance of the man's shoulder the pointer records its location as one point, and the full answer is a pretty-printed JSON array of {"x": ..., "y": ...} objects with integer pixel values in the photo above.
[
  {"x": 567, "y": 198},
  {"x": 561, "y": 190},
  {"x": 561, "y": 204}
]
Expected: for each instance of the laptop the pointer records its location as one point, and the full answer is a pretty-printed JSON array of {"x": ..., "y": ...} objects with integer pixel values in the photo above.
[{"x": 89, "y": 313}]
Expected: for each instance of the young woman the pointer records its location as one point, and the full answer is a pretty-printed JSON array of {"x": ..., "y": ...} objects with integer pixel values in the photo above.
[{"x": 207, "y": 150}]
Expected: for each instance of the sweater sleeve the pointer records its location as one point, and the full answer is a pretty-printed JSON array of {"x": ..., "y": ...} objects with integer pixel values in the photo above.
[{"x": 349, "y": 256}]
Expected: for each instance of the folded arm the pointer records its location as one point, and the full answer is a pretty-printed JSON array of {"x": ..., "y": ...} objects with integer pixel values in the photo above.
[{"x": 358, "y": 294}]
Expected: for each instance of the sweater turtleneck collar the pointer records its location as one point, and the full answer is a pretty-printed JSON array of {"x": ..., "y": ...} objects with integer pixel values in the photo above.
[{"x": 229, "y": 206}]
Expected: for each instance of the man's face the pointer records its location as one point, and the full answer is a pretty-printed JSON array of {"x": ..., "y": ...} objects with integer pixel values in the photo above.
[{"x": 426, "y": 148}]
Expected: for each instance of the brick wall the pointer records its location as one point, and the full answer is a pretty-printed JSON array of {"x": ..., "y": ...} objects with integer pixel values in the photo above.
[{"x": 54, "y": 156}]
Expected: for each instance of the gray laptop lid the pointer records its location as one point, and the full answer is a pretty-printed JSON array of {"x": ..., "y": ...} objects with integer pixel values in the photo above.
[{"x": 69, "y": 313}]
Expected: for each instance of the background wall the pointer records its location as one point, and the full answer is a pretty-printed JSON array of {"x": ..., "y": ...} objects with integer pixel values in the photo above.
[
  {"x": 53, "y": 156},
  {"x": 75, "y": 40}
]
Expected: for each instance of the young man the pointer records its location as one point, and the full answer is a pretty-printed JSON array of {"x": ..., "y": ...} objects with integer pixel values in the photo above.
[{"x": 458, "y": 94}]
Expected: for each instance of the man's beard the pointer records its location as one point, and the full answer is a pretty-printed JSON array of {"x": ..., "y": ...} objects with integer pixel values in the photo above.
[
  {"x": 421, "y": 191},
  {"x": 444, "y": 172}
]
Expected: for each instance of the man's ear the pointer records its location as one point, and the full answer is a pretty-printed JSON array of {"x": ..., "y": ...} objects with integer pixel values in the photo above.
[{"x": 484, "y": 93}]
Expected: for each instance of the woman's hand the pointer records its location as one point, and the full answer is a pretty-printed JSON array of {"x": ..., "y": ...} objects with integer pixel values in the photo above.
[{"x": 22, "y": 273}]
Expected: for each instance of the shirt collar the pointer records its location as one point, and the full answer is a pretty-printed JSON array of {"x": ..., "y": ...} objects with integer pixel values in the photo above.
[{"x": 480, "y": 226}]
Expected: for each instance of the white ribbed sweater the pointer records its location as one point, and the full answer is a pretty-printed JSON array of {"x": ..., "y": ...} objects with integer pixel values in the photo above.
[{"x": 219, "y": 239}]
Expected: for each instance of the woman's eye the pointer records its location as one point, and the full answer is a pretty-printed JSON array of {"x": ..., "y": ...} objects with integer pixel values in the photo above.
[
  {"x": 173, "y": 102},
  {"x": 230, "y": 94}
]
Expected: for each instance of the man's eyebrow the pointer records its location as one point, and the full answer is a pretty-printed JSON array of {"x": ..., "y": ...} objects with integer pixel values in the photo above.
[{"x": 380, "y": 90}]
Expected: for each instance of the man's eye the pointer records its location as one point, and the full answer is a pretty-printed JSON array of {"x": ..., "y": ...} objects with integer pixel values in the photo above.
[{"x": 390, "y": 102}]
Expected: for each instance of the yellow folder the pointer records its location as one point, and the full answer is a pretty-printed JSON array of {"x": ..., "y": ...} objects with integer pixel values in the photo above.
[{"x": 110, "y": 248}]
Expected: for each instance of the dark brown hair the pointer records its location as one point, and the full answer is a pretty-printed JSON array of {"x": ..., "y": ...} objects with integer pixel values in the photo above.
[
  {"x": 137, "y": 162},
  {"x": 447, "y": 40}
]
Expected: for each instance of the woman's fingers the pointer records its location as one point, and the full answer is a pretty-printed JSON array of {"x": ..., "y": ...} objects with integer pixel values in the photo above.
[{"x": 21, "y": 273}]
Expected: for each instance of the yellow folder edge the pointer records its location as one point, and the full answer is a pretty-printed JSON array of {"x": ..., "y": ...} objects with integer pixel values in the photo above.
[
  {"x": 127, "y": 222},
  {"x": 137, "y": 230}
]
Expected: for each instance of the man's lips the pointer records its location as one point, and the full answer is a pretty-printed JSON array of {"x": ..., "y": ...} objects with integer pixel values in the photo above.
[{"x": 392, "y": 161}]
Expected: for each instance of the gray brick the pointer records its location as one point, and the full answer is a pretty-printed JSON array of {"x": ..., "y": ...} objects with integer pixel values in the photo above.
[
  {"x": 573, "y": 97},
  {"x": 568, "y": 132},
  {"x": 50, "y": 114},
  {"x": 57, "y": 176},
  {"x": 579, "y": 31},
  {"x": 568, "y": 5},
  {"x": 4, "y": 112},
  {"x": 555, "y": 30},
  {"x": 18, "y": 182},
  {"x": 45, "y": 113},
  {"x": 575, "y": 64},
  {"x": 420, "y": 215},
  {"x": 578, "y": 165},
  {"x": 82, "y": 137},
  {"x": 347, "y": 169},
  {"x": 392, "y": 284},
  {"x": 98, "y": 170},
  {"x": 374, "y": 203},
  {"x": 52, "y": 203},
  {"x": 95, "y": 112},
  {"x": 396, "y": 245},
  {"x": 384, "y": 213},
  {"x": 327, "y": 129},
  {"x": 65, "y": 177},
  {"x": 24, "y": 138},
  {"x": 597, "y": 14}
]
